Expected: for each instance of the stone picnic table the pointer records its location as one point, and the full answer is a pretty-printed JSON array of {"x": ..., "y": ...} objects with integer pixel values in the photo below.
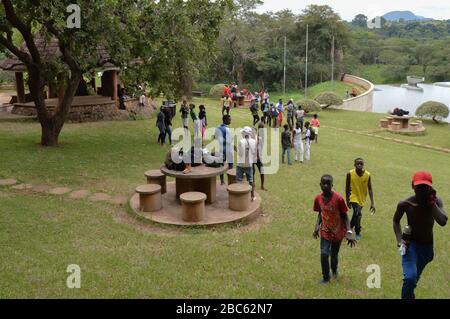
[
  {"x": 200, "y": 179},
  {"x": 404, "y": 120}
]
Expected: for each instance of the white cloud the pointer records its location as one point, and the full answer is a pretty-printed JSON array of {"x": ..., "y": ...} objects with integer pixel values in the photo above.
[{"x": 347, "y": 9}]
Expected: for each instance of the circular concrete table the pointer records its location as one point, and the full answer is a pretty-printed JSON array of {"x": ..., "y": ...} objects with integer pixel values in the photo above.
[
  {"x": 404, "y": 120},
  {"x": 200, "y": 179}
]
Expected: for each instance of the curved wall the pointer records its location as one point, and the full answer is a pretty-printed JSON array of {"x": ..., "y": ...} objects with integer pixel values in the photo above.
[{"x": 363, "y": 102}]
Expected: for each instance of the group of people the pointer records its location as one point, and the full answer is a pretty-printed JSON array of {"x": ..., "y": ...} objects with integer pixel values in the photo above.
[
  {"x": 333, "y": 224},
  {"x": 166, "y": 114}
]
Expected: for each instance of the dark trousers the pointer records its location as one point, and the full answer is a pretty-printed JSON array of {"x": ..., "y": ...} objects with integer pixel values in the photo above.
[
  {"x": 169, "y": 132},
  {"x": 329, "y": 250},
  {"x": 413, "y": 262},
  {"x": 356, "y": 218},
  {"x": 255, "y": 119},
  {"x": 290, "y": 121},
  {"x": 230, "y": 166},
  {"x": 162, "y": 136}
]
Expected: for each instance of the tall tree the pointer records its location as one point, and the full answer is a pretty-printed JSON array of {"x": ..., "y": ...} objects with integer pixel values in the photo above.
[
  {"x": 45, "y": 21},
  {"x": 360, "y": 20}
]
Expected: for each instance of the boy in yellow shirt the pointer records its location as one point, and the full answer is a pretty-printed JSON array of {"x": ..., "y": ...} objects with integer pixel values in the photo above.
[{"x": 357, "y": 185}]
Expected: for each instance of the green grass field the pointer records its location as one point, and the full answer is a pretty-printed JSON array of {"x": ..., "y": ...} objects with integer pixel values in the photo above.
[{"x": 274, "y": 257}]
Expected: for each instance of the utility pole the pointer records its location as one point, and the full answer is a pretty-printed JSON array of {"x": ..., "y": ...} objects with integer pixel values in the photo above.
[
  {"x": 332, "y": 62},
  {"x": 284, "y": 69},
  {"x": 306, "y": 66}
]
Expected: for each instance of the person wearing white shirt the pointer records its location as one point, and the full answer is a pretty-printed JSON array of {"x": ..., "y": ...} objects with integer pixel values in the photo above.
[
  {"x": 247, "y": 155},
  {"x": 225, "y": 139},
  {"x": 298, "y": 143}
]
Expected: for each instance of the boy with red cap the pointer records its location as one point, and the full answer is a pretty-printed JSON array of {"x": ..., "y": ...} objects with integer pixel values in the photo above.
[{"x": 422, "y": 210}]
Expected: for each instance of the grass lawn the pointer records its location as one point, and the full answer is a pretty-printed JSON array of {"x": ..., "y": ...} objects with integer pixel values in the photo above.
[{"x": 275, "y": 257}]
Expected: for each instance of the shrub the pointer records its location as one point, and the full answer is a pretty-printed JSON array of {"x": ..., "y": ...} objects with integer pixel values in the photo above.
[
  {"x": 329, "y": 98},
  {"x": 217, "y": 90},
  {"x": 309, "y": 105},
  {"x": 433, "y": 109}
]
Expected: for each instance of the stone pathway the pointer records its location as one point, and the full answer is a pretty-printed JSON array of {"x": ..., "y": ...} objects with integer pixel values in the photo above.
[
  {"x": 59, "y": 191},
  {"x": 392, "y": 139}
]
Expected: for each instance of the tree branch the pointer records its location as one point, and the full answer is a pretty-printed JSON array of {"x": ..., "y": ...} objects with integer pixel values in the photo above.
[{"x": 23, "y": 29}]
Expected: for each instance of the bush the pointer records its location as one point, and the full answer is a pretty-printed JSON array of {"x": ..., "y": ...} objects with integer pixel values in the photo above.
[
  {"x": 328, "y": 99},
  {"x": 217, "y": 90},
  {"x": 433, "y": 109},
  {"x": 309, "y": 105}
]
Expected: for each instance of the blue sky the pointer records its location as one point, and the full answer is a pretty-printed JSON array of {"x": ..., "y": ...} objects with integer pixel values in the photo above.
[{"x": 347, "y": 9}]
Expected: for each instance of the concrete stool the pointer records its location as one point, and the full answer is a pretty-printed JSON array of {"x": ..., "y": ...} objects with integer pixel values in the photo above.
[
  {"x": 395, "y": 126},
  {"x": 239, "y": 196},
  {"x": 413, "y": 126},
  {"x": 420, "y": 123},
  {"x": 384, "y": 123},
  {"x": 192, "y": 206},
  {"x": 231, "y": 176},
  {"x": 156, "y": 177},
  {"x": 149, "y": 197},
  {"x": 390, "y": 119}
]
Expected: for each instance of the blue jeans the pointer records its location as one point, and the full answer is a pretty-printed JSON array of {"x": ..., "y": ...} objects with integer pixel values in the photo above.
[
  {"x": 288, "y": 149},
  {"x": 327, "y": 249},
  {"x": 169, "y": 132},
  {"x": 416, "y": 258},
  {"x": 240, "y": 171}
]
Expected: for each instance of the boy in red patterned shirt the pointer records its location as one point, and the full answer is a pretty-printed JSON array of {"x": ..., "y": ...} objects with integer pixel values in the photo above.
[{"x": 333, "y": 225}]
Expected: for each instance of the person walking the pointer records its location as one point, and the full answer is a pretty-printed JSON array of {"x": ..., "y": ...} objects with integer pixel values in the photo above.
[
  {"x": 422, "y": 210},
  {"x": 286, "y": 144},
  {"x": 298, "y": 143},
  {"x": 225, "y": 139},
  {"x": 246, "y": 154},
  {"x": 160, "y": 120},
  {"x": 358, "y": 183},
  {"x": 332, "y": 226},
  {"x": 260, "y": 139}
]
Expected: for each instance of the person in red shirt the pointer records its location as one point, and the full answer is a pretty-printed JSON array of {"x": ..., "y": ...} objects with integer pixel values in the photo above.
[{"x": 333, "y": 226}]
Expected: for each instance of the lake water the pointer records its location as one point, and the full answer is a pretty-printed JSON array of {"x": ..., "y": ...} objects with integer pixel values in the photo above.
[{"x": 387, "y": 97}]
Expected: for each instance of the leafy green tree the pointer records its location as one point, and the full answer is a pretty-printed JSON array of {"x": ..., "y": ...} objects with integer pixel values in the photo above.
[
  {"x": 360, "y": 20},
  {"x": 328, "y": 98},
  {"x": 433, "y": 109},
  {"x": 309, "y": 106},
  {"x": 33, "y": 21}
]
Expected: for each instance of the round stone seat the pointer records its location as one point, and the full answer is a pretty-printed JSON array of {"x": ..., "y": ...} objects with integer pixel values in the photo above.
[
  {"x": 390, "y": 119},
  {"x": 395, "y": 126},
  {"x": 384, "y": 123},
  {"x": 414, "y": 126},
  {"x": 150, "y": 199},
  {"x": 239, "y": 196},
  {"x": 231, "y": 176},
  {"x": 158, "y": 178},
  {"x": 193, "y": 206}
]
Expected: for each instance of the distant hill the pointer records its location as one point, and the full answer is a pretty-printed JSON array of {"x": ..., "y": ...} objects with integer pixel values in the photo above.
[{"x": 405, "y": 15}]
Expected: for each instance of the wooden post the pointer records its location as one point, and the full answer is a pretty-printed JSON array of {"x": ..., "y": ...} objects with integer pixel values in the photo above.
[
  {"x": 114, "y": 82},
  {"x": 20, "y": 88}
]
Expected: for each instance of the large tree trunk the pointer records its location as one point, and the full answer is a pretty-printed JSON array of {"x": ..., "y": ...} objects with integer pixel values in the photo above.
[{"x": 51, "y": 124}]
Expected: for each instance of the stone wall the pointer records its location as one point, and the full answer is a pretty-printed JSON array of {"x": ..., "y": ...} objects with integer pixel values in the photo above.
[
  {"x": 363, "y": 102},
  {"x": 84, "y": 113}
]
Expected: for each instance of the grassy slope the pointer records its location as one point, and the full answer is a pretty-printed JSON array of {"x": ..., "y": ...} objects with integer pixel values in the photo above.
[{"x": 40, "y": 235}]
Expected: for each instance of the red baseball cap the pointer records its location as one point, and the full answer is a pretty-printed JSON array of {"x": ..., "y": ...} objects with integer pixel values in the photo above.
[{"x": 422, "y": 177}]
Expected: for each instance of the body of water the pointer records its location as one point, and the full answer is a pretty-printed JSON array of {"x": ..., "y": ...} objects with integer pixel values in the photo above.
[{"x": 388, "y": 97}]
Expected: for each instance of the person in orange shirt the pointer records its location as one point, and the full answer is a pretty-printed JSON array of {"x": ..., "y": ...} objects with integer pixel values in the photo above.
[{"x": 315, "y": 124}]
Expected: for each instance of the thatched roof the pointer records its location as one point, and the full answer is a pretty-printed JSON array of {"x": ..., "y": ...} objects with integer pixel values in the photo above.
[{"x": 49, "y": 49}]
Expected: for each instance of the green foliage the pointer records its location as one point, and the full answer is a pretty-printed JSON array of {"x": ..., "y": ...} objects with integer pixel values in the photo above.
[
  {"x": 217, "y": 90},
  {"x": 310, "y": 106},
  {"x": 433, "y": 109},
  {"x": 329, "y": 98}
]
